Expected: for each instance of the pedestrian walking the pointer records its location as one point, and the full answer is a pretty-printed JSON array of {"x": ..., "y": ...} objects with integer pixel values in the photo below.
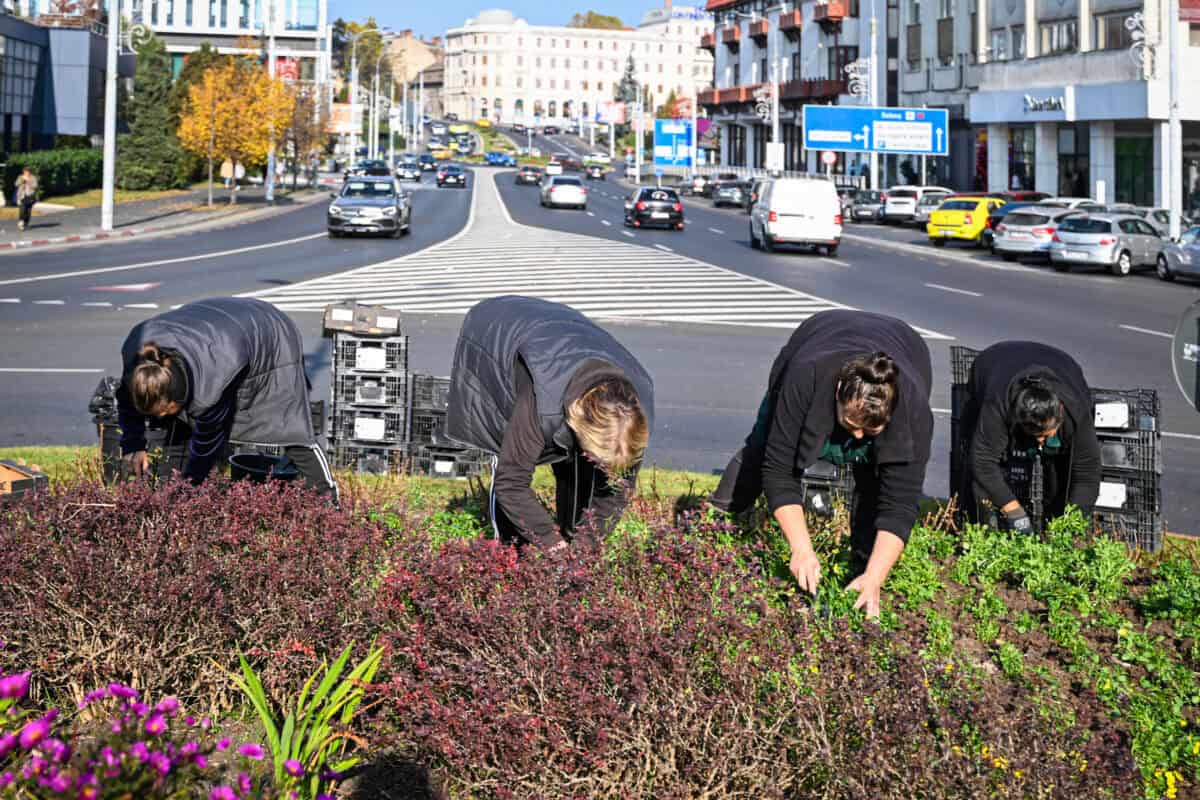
[
  {"x": 27, "y": 189},
  {"x": 231, "y": 368},
  {"x": 1029, "y": 399},
  {"x": 848, "y": 388},
  {"x": 536, "y": 382}
]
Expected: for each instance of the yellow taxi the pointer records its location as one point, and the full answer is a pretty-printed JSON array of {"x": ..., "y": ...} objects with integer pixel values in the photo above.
[
  {"x": 961, "y": 217},
  {"x": 458, "y": 128},
  {"x": 483, "y": 123},
  {"x": 444, "y": 154}
]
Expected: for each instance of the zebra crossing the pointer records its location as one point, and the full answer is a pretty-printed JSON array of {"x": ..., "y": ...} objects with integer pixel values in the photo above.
[{"x": 602, "y": 278}]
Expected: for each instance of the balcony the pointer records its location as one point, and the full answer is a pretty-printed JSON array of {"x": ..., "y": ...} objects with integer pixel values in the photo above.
[
  {"x": 830, "y": 15},
  {"x": 708, "y": 97},
  {"x": 708, "y": 42},
  {"x": 1189, "y": 10},
  {"x": 759, "y": 30},
  {"x": 807, "y": 88},
  {"x": 790, "y": 23},
  {"x": 731, "y": 37}
]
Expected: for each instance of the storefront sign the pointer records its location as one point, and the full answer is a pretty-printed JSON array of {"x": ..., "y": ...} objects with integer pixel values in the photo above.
[{"x": 1045, "y": 103}]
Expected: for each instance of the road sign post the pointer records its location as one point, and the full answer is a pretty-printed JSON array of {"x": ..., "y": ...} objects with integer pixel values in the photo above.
[
  {"x": 857, "y": 129},
  {"x": 672, "y": 143}
]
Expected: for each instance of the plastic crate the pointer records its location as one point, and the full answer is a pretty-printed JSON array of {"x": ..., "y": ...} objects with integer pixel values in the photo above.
[
  {"x": 1134, "y": 451},
  {"x": 823, "y": 483},
  {"x": 365, "y": 425},
  {"x": 1126, "y": 409},
  {"x": 448, "y": 462},
  {"x": 370, "y": 460},
  {"x": 370, "y": 390},
  {"x": 429, "y": 427},
  {"x": 430, "y": 392},
  {"x": 961, "y": 360},
  {"x": 1130, "y": 492},
  {"x": 1143, "y": 531},
  {"x": 358, "y": 354}
]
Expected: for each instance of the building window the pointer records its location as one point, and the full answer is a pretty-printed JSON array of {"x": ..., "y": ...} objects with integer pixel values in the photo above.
[
  {"x": 737, "y": 145},
  {"x": 553, "y": 43},
  {"x": 1018, "y": 41},
  {"x": 585, "y": 65},
  {"x": 484, "y": 80},
  {"x": 520, "y": 83},
  {"x": 485, "y": 59},
  {"x": 660, "y": 49},
  {"x": 567, "y": 43},
  {"x": 839, "y": 57},
  {"x": 585, "y": 44},
  {"x": 660, "y": 91},
  {"x": 660, "y": 66},
  {"x": 914, "y": 12},
  {"x": 762, "y": 69},
  {"x": 566, "y": 63},
  {"x": 614, "y": 63},
  {"x": 736, "y": 75},
  {"x": 1193, "y": 34},
  {"x": 1022, "y": 157},
  {"x": 537, "y": 83},
  {"x": 913, "y": 51},
  {"x": 553, "y": 108},
  {"x": 945, "y": 34},
  {"x": 999, "y": 46},
  {"x": 599, "y": 86},
  {"x": 679, "y": 69},
  {"x": 553, "y": 62},
  {"x": 520, "y": 60},
  {"x": 485, "y": 38},
  {"x": 585, "y": 86},
  {"x": 539, "y": 41},
  {"x": 1057, "y": 37},
  {"x": 945, "y": 8},
  {"x": 1073, "y": 160},
  {"x": 537, "y": 61},
  {"x": 567, "y": 83},
  {"x": 680, "y": 50},
  {"x": 1110, "y": 31},
  {"x": 520, "y": 43},
  {"x": 553, "y": 83}
]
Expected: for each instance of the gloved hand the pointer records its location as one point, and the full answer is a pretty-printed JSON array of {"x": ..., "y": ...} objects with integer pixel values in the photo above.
[{"x": 1019, "y": 521}]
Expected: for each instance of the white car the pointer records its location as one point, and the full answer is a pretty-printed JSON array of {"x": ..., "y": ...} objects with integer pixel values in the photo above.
[
  {"x": 902, "y": 201},
  {"x": 597, "y": 158},
  {"x": 437, "y": 129},
  {"x": 564, "y": 191},
  {"x": 554, "y": 168},
  {"x": 804, "y": 211}
]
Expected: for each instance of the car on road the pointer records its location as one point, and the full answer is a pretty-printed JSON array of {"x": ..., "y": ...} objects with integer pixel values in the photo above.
[
  {"x": 452, "y": 175},
  {"x": 962, "y": 218},
  {"x": 730, "y": 193},
  {"x": 1120, "y": 243},
  {"x": 594, "y": 172},
  {"x": 427, "y": 161},
  {"x": 564, "y": 191},
  {"x": 803, "y": 211},
  {"x": 1028, "y": 231},
  {"x": 369, "y": 204},
  {"x": 409, "y": 171},
  {"x": 697, "y": 185},
  {"x": 900, "y": 202},
  {"x": 452, "y": 117},
  {"x": 444, "y": 154},
  {"x": 435, "y": 143},
  {"x": 597, "y": 158},
  {"x": 483, "y": 122},
  {"x": 756, "y": 189},
  {"x": 551, "y": 130},
  {"x": 498, "y": 159},
  {"x": 554, "y": 168},
  {"x": 459, "y": 129},
  {"x": 1182, "y": 258},
  {"x": 654, "y": 205},
  {"x": 372, "y": 167},
  {"x": 517, "y": 127},
  {"x": 865, "y": 206},
  {"x": 529, "y": 175},
  {"x": 437, "y": 129}
]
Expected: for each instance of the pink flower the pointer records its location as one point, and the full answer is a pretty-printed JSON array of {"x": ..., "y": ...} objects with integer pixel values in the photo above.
[
  {"x": 6, "y": 779},
  {"x": 245, "y": 785},
  {"x": 200, "y": 760},
  {"x": 156, "y": 724},
  {"x": 224, "y": 744},
  {"x": 251, "y": 750},
  {"x": 160, "y": 762},
  {"x": 14, "y": 686},
  {"x": 139, "y": 751},
  {"x": 294, "y": 768},
  {"x": 168, "y": 705},
  {"x": 189, "y": 721},
  {"x": 8, "y": 743},
  {"x": 37, "y": 730},
  {"x": 57, "y": 749},
  {"x": 110, "y": 758},
  {"x": 60, "y": 783},
  {"x": 122, "y": 691},
  {"x": 222, "y": 793}
]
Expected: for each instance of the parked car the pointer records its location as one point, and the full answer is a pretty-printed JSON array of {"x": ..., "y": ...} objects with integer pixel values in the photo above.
[
  {"x": 554, "y": 168},
  {"x": 1120, "y": 243},
  {"x": 564, "y": 191},
  {"x": 517, "y": 127},
  {"x": 649, "y": 205},
  {"x": 756, "y": 188},
  {"x": 1160, "y": 218},
  {"x": 529, "y": 174},
  {"x": 483, "y": 122},
  {"x": 594, "y": 172},
  {"x": 409, "y": 171},
  {"x": 452, "y": 175},
  {"x": 597, "y": 158},
  {"x": 730, "y": 193},
  {"x": 804, "y": 211},
  {"x": 900, "y": 202},
  {"x": 1080, "y": 203},
  {"x": 928, "y": 203},
  {"x": 961, "y": 218},
  {"x": 452, "y": 117},
  {"x": 1181, "y": 258},
  {"x": 1028, "y": 231},
  {"x": 866, "y": 206},
  {"x": 551, "y": 130},
  {"x": 1021, "y": 196},
  {"x": 369, "y": 204},
  {"x": 697, "y": 185},
  {"x": 997, "y": 216}
]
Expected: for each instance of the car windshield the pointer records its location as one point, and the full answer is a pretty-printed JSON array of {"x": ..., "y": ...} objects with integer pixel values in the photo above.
[
  {"x": 367, "y": 189},
  {"x": 409, "y": 165},
  {"x": 1026, "y": 218},
  {"x": 567, "y": 182},
  {"x": 1190, "y": 236},
  {"x": 902, "y": 194},
  {"x": 660, "y": 195},
  {"x": 866, "y": 197},
  {"x": 959, "y": 205},
  {"x": 451, "y": 170},
  {"x": 1085, "y": 225},
  {"x": 932, "y": 200}
]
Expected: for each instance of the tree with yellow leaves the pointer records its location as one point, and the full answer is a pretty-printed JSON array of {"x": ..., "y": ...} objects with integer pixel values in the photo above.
[{"x": 235, "y": 112}]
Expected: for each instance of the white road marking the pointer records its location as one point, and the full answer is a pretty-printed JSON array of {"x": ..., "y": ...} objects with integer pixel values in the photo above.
[
  {"x": 10, "y": 299},
  {"x": 717, "y": 231},
  {"x": 664, "y": 248},
  {"x": 1136, "y": 329},
  {"x": 160, "y": 262},
  {"x": 939, "y": 287},
  {"x": 591, "y": 213},
  {"x": 128, "y": 287},
  {"x": 940, "y": 410},
  {"x": 140, "y": 305},
  {"x": 49, "y": 302},
  {"x": 605, "y": 222},
  {"x": 97, "y": 305},
  {"x": 1191, "y": 436},
  {"x": 627, "y": 233},
  {"x": 835, "y": 262},
  {"x": 41, "y": 370}
]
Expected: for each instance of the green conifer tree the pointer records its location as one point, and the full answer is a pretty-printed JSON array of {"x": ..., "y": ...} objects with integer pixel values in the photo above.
[{"x": 149, "y": 156}]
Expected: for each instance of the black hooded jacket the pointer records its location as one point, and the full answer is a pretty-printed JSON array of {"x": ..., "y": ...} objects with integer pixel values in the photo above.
[{"x": 995, "y": 378}]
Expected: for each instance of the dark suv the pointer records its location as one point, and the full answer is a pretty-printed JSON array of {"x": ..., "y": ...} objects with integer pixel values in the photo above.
[{"x": 651, "y": 206}]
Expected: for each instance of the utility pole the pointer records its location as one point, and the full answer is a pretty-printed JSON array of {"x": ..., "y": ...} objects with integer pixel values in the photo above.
[
  {"x": 110, "y": 116},
  {"x": 374, "y": 145},
  {"x": 874, "y": 84},
  {"x": 356, "y": 123},
  {"x": 1174, "y": 163},
  {"x": 270, "y": 183},
  {"x": 637, "y": 144},
  {"x": 391, "y": 148}
]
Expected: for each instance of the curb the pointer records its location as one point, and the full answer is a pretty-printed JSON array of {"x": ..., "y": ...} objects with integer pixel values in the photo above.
[{"x": 126, "y": 233}]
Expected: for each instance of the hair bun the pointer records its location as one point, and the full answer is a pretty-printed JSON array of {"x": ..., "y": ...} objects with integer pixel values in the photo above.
[
  {"x": 883, "y": 369},
  {"x": 150, "y": 352}
]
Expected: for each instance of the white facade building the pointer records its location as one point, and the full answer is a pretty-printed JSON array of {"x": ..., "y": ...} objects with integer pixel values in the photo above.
[{"x": 504, "y": 69}]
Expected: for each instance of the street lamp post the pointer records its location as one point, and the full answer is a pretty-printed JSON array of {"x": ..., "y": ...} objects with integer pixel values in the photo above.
[
  {"x": 270, "y": 182},
  {"x": 110, "y": 116},
  {"x": 1174, "y": 163}
]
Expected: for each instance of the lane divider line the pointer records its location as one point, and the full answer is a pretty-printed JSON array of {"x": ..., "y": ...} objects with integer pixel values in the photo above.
[
  {"x": 605, "y": 222},
  {"x": 50, "y": 370},
  {"x": 627, "y": 233},
  {"x": 664, "y": 248},
  {"x": 717, "y": 231},
  {"x": 1136, "y": 329},
  {"x": 942, "y": 288},
  {"x": 836, "y": 262}
]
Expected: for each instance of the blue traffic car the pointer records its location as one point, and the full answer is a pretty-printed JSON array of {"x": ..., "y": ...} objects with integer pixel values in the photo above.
[{"x": 496, "y": 159}]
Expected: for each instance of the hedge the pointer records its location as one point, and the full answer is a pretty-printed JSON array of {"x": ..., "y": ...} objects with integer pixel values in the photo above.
[{"x": 59, "y": 172}]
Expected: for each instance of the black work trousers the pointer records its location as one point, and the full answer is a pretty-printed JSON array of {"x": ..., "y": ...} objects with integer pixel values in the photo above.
[{"x": 576, "y": 484}]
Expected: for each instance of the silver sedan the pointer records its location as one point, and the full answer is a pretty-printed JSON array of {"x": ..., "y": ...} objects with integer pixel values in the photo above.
[
  {"x": 1117, "y": 242},
  {"x": 1181, "y": 257},
  {"x": 564, "y": 191}
]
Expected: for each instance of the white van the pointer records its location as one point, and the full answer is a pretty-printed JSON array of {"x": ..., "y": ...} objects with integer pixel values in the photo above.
[
  {"x": 803, "y": 211},
  {"x": 901, "y": 203}
]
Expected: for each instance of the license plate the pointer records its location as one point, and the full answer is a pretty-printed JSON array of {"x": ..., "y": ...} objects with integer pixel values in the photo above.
[
  {"x": 1018, "y": 235},
  {"x": 947, "y": 233},
  {"x": 1079, "y": 255},
  {"x": 659, "y": 215}
]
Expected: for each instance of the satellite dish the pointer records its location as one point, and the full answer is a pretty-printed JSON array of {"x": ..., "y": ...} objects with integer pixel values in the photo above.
[{"x": 1185, "y": 355}]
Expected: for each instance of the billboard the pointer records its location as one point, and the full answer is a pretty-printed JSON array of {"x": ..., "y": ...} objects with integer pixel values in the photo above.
[
  {"x": 342, "y": 119},
  {"x": 611, "y": 111},
  {"x": 287, "y": 68}
]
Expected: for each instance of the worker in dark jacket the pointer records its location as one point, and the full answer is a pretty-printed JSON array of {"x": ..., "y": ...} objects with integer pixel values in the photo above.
[
  {"x": 534, "y": 383},
  {"x": 1029, "y": 398},
  {"x": 231, "y": 368},
  {"x": 849, "y": 387}
]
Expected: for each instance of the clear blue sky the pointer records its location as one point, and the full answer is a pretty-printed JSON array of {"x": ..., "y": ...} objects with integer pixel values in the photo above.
[{"x": 432, "y": 18}]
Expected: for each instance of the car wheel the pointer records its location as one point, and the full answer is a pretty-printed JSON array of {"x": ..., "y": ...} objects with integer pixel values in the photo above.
[
  {"x": 1123, "y": 265},
  {"x": 831, "y": 250},
  {"x": 1163, "y": 268},
  {"x": 754, "y": 243},
  {"x": 938, "y": 242},
  {"x": 1008, "y": 256}
]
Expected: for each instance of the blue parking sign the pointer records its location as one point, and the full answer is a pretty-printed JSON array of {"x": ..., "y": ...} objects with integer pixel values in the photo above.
[{"x": 672, "y": 143}]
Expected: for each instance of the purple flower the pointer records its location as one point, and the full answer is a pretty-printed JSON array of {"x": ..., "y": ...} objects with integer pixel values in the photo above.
[
  {"x": 206, "y": 723},
  {"x": 200, "y": 760},
  {"x": 58, "y": 750},
  {"x": 37, "y": 730},
  {"x": 122, "y": 691},
  {"x": 324, "y": 797},
  {"x": 139, "y": 751},
  {"x": 160, "y": 762},
  {"x": 7, "y": 779},
  {"x": 168, "y": 705},
  {"x": 189, "y": 748},
  {"x": 222, "y": 793},
  {"x": 156, "y": 724},
  {"x": 294, "y": 768},
  {"x": 224, "y": 744},
  {"x": 14, "y": 686},
  {"x": 331, "y": 776},
  {"x": 245, "y": 785},
  {"x": 139, "y": 708},
  {"x": 109, "y": 758},
  {"x": 189, "y": 721},
  {"x": 60, "y": 783},
  {"x": 8, "y": 743},
  {"x": 94, "y": 696},
  {"x": 88, "y": 788},
  {"x": 251, "y": 750}
]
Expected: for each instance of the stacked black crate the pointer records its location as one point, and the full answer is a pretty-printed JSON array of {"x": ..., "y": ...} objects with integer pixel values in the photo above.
[
  {"x": 368, "y": 420},
  {"x": 1130, "y": 503},
  {"x": 431, "y": 452}
]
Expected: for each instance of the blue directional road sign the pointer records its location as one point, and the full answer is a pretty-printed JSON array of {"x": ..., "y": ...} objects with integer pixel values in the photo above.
[
  {"x": 672, "y": 143},
  {"x": 859, "y": 129}
]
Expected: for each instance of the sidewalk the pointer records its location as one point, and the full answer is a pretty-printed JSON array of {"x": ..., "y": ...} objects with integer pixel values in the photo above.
[{"x": 141, "y": 217}]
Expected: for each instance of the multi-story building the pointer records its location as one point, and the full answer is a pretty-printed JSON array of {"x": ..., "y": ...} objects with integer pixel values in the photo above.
[
  {"x": 806, "y": 48},
  {"x": 503, "y": 68},
  {"x": 411, "y": 54}
]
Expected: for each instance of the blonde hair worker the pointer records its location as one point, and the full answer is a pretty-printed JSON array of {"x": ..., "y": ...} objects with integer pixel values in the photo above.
[{"x": 536, "y": 382}]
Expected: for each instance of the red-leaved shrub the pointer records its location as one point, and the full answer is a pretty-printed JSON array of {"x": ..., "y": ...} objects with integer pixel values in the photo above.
[
  {"x": 162, "y": 587},
  {"x": 658, "y": 669}
]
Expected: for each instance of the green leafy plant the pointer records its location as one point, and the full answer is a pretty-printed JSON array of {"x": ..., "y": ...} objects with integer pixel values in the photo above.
[{"x": 304, "y": 738}]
